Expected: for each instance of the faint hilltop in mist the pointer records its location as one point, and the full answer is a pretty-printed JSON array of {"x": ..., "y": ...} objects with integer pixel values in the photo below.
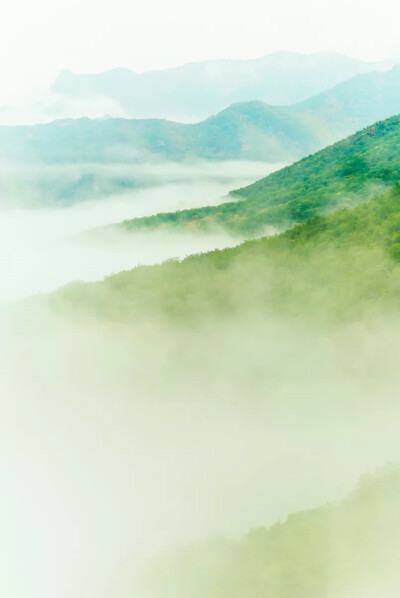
[
  {"x": 338, "y": 551},
  {"x": 250, "y": 130},
  {"x": 190, "y": 92}
]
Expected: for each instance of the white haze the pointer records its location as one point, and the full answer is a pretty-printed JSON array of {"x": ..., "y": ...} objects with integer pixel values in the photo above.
[
  {"x": 117, "y": 442},
  {"x": 49, "y": 106},
  {"x": 42, "y": 249},
  {"x": 152, "y": 35}
]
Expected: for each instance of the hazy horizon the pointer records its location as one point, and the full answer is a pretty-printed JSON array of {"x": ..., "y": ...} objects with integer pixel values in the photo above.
[
  {"x": 200, "y": 323},
  {"x": 14, "y": 96},
  {"x": 152, "y": 37}
]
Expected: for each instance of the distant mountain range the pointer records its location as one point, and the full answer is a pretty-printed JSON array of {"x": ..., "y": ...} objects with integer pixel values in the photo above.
[
  {"x": 355, "y": 103},
  {"x": 246, "y": 131},
  {"x": 191, "y": 92},
  {"x": 253, "y": 131}
]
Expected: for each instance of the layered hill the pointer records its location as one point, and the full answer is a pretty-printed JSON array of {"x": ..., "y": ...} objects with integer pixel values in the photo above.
[
  {"x": 355, "y": 103},
  {"x": 245, "y": 131},
  {"x": 352, "y": 170},
  {"x": 199, "y": 89},
  {"x": 338, "y": 267},
  {"x": 252, "y": 131},
  {"x": 190, "y": 92},
  {"x": 346, "y": 549}
]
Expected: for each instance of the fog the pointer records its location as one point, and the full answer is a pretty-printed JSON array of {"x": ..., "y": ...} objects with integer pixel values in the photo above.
[
  {"x": 42, "y": 248},
  {"x": 38, "y": 185},
  {"x": 121, "y": 441},
  {"x": 50, "y": 106}
]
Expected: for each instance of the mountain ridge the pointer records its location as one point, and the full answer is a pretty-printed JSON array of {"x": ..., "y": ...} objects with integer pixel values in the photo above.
[
  {"x": 190, "y": 92},
  {"x": 339, "y": 175},
  {"x": 250, "y": 130}
]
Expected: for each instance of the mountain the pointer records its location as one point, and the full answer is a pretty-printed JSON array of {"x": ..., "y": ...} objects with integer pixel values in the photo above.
[
  {"x": 190, "y": 92},
  {"x": 350, "y": 548},
  {"x": 353, "y": 104},
  {"x": 343, "y": 174},
  {"x": 249, "y": 130},
  {"x": 343, "y": 266},
  {"x": 196, "y": 90},
  {"x": 333, "y": 265},
  {"x": 252, "y": 131}
]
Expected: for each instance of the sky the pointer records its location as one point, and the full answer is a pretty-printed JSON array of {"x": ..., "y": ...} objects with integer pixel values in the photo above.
[{"x": 38, "y": 39}]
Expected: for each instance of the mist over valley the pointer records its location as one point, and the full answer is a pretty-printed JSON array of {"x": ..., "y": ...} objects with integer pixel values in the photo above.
[{"x": 200, "y": 332}]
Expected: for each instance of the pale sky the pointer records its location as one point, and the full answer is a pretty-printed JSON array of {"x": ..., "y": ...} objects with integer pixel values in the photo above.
[{"x": 38, "y": 39}]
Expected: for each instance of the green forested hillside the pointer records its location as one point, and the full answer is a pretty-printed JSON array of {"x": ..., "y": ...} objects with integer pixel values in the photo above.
[
  {"x": 347, "y": 549},
  {"x": 341, "y": 175},
  {"x": 342, "y": 266}
]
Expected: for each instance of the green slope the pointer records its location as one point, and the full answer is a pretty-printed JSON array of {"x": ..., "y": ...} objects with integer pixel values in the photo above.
[
  {"x": 347, "y": 549},
  {"x": 342, "y": 266},
  {"x": 340, "y": 175}
]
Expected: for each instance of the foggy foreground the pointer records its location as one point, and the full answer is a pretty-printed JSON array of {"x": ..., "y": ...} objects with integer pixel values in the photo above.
[
  {"x": 119, "y": 443},
  {"x": 42, "y": 248}
]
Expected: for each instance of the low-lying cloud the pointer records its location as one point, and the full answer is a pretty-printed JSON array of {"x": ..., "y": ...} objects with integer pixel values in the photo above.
[
  {"x": 121, "y": 441},
  {"x": 42, "y": 248},
  {"x": 118, "y": 441}
]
